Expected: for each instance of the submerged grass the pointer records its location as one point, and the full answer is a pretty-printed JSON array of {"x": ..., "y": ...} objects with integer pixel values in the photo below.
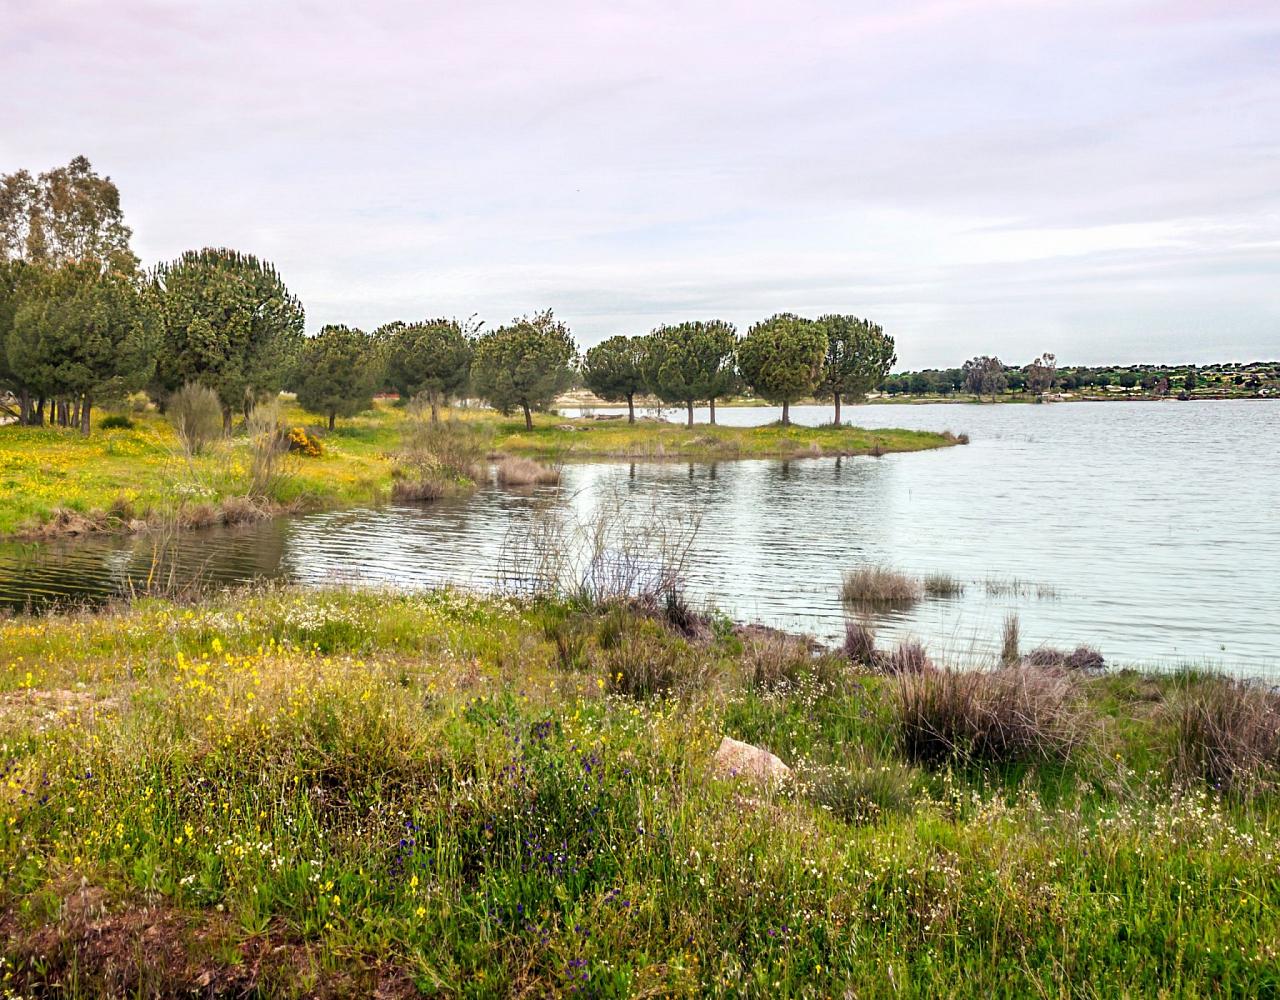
[{"x": 350, "y": 793}]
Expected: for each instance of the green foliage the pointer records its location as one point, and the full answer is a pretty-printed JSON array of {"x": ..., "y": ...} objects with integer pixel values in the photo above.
[
  {"x": 859, "y": 356},
  {"x": 781, "y": 358},
  {"x": 81, "y": 332},
  {"x": 524, "y": 365},
  {"x": 691, "y": 361},
  {"x": 336, "y": 373},
  {"x": 229, "y": 323},
  {"x": 614, "y": 369},
  {"x": 432, "y": 357}
]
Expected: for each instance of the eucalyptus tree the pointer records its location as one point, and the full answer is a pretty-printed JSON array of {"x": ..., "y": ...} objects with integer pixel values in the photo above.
[
  {"x": 686, "y": 362},
  {"x": 781, "y": 359},
  {"x": 524, "y": 365},
  {"x": 432, "y": 357},
  {"x": 228, "y": 322},
  {"x": 859, "y": 356},
  {"x": 985, "y": 374},
  {"x": 337, "y": 373},
  {"x": 614, "y": 371},
  {"x": 64, "y": 215}
]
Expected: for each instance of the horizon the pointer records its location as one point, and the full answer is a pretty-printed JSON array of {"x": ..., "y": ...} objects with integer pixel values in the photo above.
[{"x": 1104, "y": 190}]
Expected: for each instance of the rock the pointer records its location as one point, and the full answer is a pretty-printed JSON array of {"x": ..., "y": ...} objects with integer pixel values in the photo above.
[{"x": 735, "y": 758}]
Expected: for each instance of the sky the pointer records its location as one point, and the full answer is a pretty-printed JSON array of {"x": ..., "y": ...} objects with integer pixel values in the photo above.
[{"x": 1097, "y": 178}]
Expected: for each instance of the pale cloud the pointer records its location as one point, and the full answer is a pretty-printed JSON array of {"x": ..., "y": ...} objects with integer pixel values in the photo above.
[{"x": 1097, "y": 178}]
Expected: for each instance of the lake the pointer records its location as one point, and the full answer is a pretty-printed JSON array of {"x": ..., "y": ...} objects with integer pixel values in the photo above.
[{"x": 1148, "y": 530}]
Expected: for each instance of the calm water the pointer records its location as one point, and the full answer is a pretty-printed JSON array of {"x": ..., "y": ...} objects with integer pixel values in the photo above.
[{"x": 1150, "y": 530}]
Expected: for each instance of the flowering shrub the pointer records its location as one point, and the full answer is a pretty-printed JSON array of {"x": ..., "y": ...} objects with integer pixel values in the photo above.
[{"x": 303, "y": 443}]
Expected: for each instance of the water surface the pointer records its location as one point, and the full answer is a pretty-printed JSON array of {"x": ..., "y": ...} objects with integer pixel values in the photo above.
[{"x": 1149, "y": 530}]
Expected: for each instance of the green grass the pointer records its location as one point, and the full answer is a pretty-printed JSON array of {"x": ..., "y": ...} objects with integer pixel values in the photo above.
[
  {"x": 55, "y": 481},
  {"x": 328, "y": 793}
]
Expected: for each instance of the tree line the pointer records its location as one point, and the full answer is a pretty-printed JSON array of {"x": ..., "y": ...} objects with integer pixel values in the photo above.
[{"x": 82, "y": 323}]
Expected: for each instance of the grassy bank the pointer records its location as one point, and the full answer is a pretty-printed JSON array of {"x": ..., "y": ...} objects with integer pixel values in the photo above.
[
  {"x": 334, "y": 793},
  {"x": 54, "y": 481}
]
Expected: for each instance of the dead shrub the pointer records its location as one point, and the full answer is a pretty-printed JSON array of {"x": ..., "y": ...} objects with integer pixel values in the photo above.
[
  {"x": 1005, "y": 716},
  {"x": 879, "y": 585},
  {"x": 1227, "y": 733}
]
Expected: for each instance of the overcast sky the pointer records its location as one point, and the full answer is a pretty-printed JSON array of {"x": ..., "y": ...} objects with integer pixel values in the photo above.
[{"x": 1100, "y": 178}]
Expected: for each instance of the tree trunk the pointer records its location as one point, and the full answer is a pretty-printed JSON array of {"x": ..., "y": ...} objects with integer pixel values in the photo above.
[
  {"x": 38, "y": 416},
  {"x": 435, "y": 408},
  {"x": 332, "y": 415},
  {"x": 84, "y": 414},
  {"x": 528, "y": 417},
  {"x": 689, "y": 404},
  {"x": 631, "y": 407},
  {"x": 786, "y": 413},
  {"x": 713, "y": 410},
  {"x": 226, "y": 421},
  {"x": 24, "y": 408},
  {"x": 75, "y": 412},
  {"x": 837, "y": 395}
]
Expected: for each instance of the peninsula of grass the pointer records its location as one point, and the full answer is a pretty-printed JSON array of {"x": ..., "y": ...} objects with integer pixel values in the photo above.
[
  {"x": 569, "y": 440},
  {"x": 331, "y": 793},
  {"x": 56, "y": 482}
]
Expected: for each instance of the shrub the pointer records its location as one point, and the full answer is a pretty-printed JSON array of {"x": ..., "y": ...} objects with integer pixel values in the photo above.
[
  {"x": 526, "y": 472},
  {"x": 268, "y": 446},
  {"x": 301, "y": 442},
  {"x": 1227, "y": 733},
  {"x": 879, "y": 585},
  {"x": 115, "y": 422},
  {"x": 1005, "y": 716},
  {"x": 438, "y": 458},
  {"x": 195, "y": 412}
]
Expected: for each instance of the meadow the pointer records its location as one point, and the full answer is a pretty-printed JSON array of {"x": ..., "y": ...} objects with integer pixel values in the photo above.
[
  {"x": 332, "y": 793},
  {"x": 56, "y": 482}
]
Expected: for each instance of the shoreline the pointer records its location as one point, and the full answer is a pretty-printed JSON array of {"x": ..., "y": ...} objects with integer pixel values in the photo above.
[{"x": 135, "y": 480}]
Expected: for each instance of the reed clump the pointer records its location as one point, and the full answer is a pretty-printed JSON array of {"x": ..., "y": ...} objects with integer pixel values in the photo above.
[
  {"x": 1005, "y": 716},
  {"x": 871, "y": 585},
  {"x": 1227, "y": 733},
  {"x": 526, "y": 472}
]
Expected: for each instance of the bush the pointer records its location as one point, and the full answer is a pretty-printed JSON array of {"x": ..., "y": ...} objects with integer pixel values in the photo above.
[
  {"x": 195, "y": 412},
  {"x": 879, "y": 585},
  {"x": 438, "y": 458},
  {"x": 116, "y": 422},
  {"x": 301, "y": 442},
  {"x": 268, "y": 446},
  {"x": 1006, "y": 716},
  {"x": 1227, "y": 733}
]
